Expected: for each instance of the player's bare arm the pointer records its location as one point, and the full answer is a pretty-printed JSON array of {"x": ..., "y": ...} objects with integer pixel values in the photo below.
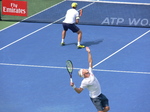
[
  {"x": 80, "y": 12},
  {"x": 78, "y": 90},
  {"x": 90, "y": 60}
]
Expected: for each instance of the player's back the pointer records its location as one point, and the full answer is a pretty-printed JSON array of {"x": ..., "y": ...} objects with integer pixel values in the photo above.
[{"x": 71, "y": 16}]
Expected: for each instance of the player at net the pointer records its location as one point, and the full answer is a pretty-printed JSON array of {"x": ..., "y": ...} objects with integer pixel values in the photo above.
[{"x": 71, "y": 19}]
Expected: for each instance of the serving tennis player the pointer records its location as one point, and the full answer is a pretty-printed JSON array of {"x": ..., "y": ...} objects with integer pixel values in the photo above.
[
  {"x": 71, "y": 19},
  {"x": 92, "y": 84}
]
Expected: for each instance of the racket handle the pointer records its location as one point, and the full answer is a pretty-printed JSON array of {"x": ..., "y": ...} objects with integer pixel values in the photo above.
[{"x": 71, "y": 80}]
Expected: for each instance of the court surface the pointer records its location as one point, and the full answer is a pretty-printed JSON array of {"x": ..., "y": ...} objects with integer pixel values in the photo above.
[{"x": 34, "y": 78}]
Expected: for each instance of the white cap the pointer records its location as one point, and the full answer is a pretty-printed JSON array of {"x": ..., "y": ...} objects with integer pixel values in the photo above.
[{"x": 80, "y": 73}]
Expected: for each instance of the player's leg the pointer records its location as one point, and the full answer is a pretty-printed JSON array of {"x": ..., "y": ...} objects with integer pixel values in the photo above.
[
  {"x": 63, "y": 34},
  {"x": 79, "y": 37},
  {"x": 75, "y": 29},
  {"x": 105, "y": 103},
  {"x": 106, "y": 109},
  {"x": 63, "y": 37},
  {"x": 65, "y": 28},
  {"x": 97, "y": 103}
]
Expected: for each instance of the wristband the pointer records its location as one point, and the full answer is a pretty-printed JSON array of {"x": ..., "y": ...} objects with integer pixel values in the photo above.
[
  {"x": 78, "y": 17},
  {"x": 71, "y": 80},
  {"x": 73, "y": 86}
]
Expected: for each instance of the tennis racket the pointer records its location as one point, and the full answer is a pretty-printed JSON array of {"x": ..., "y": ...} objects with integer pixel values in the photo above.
[
  {"x": 80, "y": 12},
  {"x": 69, "y": 67}
]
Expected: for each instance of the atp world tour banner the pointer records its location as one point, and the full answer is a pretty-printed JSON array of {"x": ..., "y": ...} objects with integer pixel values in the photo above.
[
  {"x": 13, "y": 7},
  {"x": 113, "y": 13}
]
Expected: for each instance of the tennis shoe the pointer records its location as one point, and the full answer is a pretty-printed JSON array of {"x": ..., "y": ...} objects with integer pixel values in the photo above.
[
  {"x": 80, "y": 46},
  {"x": 62, "y": 44}
]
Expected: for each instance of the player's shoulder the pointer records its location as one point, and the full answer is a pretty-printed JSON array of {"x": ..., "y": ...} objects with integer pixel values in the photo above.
[
  {"x": 69, "y": 10},
  {"x": 73, "y": 10}
]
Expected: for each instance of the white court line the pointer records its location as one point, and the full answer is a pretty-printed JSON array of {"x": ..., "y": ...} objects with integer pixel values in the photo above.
[
  {"x": 55, "y": 67},
  {"x": 121, "y": 48},
  {"x": 28, "y": 35},
  {"x": 31, "y": 16},
  {"x": 38, "y": 30},
  {"x": 134, "y": 72},
  {"x": 35, "y": 66}
]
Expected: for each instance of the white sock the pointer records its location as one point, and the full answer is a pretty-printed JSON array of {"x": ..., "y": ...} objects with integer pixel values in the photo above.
[
  {"x": 78, "y": 43},
  {"x": 62, "y": 41}
]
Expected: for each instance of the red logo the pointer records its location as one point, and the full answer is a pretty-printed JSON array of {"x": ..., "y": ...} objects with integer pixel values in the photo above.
[{"x": 12, "y": 7}]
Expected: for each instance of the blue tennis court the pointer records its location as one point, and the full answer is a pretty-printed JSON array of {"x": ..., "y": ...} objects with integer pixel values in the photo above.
[{"x": 34, "y": 77}]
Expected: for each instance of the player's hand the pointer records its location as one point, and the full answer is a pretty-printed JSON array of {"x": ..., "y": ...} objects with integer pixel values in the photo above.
[
  {"x": 71, "y": 84},
  {"x": 80, "y": 12},
  {"x": 87, "y": 49}
]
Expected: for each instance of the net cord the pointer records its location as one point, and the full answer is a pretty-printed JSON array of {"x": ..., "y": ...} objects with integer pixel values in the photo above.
[{"x": 115, "y": 2}]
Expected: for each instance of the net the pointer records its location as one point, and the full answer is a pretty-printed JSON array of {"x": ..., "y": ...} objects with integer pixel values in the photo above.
[
  {"x": 94, "y": 13},
  {"x": 118, "y": 14}
]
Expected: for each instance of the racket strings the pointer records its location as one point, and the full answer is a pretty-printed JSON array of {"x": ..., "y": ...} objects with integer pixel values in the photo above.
[{"x": 69, "y": 66}]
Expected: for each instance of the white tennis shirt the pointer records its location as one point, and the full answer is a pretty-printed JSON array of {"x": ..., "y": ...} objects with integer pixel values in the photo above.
[
  {"x": 92, "y": 84},
  {"x": 71, "y": 16}
]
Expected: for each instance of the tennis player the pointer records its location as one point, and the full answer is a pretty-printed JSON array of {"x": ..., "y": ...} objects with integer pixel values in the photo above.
[
  {"x": 92, "y": 84},
  {"x": 71, "y": 19}
]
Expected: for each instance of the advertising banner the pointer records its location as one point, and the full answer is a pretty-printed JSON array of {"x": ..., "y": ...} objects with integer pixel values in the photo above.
[{"x": 16, "y": 8}]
